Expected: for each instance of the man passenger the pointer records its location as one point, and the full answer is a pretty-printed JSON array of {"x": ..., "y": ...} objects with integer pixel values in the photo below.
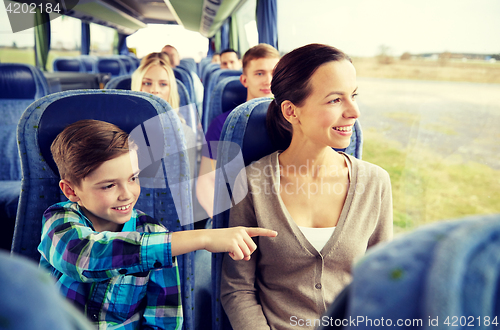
[
  {"x": 258, "y": 64},
  {"x": 230, "y": 59}
]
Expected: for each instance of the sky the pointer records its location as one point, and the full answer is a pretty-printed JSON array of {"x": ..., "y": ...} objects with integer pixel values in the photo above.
[{"x": 358, "y": 27}]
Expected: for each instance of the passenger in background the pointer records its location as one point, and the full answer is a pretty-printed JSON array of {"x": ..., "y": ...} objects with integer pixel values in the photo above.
[
  {"x": 155, "y": 76},
  {"x": 230, "y": 59},
  {"x": 172, "y": 54},
  {"x": 258, "y": 64},
  {"x": 328, "y": 207},
  {"x": 216, "y": 58}
]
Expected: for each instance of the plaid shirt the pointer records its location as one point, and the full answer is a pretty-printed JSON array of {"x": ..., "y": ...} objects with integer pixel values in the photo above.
[{"x": 120, "y": 280}]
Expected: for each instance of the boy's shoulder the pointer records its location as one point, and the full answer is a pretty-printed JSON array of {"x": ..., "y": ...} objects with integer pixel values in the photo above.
[
  {"x": 147, "y": 223},
  {"x": 66, "y": 208}
]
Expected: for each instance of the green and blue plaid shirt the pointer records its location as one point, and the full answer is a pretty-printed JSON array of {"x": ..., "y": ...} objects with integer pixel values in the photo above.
[{"x": 120, "y": 280}]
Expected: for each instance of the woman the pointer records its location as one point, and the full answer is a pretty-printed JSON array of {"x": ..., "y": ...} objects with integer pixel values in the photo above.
[
  {"x": 154, "y": 75},
  {"x": 326, "y": 206}
]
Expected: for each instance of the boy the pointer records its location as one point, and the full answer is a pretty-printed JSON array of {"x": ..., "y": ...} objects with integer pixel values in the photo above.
[
  {"x": 114, "y": 262},
  {"x": 258, "y": 64}
]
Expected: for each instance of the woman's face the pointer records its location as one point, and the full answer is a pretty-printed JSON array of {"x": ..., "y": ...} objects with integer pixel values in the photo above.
[
  {"x": 156, "y": 82},
  {"x": 327, "y": 116}
]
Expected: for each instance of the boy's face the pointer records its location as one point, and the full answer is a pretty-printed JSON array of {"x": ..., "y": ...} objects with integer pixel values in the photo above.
[
  {"x": 257, "y": 77},
  {"x": 108, "y": 194},
  {"x": 230, "y": 61}
]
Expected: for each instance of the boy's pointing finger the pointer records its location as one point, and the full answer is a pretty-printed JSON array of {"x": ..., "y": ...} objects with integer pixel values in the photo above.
[{"x": 252, "y": 232}]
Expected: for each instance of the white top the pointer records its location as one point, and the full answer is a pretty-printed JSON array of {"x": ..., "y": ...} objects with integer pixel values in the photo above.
[{"x": 317, "y": 236}]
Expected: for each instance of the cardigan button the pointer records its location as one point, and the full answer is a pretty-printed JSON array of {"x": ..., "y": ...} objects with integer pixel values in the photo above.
[
  {"x": 318, "y": 286},
  {"x": 157, "y": 264},
  {"x": 123, "y": 271}
]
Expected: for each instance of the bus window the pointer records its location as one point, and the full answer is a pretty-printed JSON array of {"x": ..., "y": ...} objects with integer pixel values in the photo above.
[
  {"x": 15, "y": 47},
  {"x": 247, "y": 26},
  {"x": 65, "y": 38},
  {"x": 428, "y": 96},
  {"x": 102, "y": 39}
]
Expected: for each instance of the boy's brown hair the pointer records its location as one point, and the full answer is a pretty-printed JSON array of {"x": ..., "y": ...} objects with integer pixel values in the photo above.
[
  {"x": 84, "y": 145},
  {"x": 259, "y": 51}
]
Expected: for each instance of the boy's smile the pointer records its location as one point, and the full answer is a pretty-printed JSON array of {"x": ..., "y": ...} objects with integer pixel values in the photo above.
[{"x": 108, "y": 194}]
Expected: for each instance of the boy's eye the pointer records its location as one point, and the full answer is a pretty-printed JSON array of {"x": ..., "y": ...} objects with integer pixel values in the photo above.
[
  {"x": 354, "y": 96},
  {"x": 134, "y": 179},
  {"x": 109, "y": 186}
]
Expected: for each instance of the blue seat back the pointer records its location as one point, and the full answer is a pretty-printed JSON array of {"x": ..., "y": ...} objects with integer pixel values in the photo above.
[
  {"x": 202, "y": 64},
  {"x": 47, "y": 117},
  {"x": 212, "y": 82},
  {"x": 227, "y": 95},
  {"x": 187, "y": 80},
  {"x": 440, "y": 270},
  {"x": 111, "y": 65},
  {"x": 20, "y": 85},
  {"x": 207, "y": 71},
  {"x": 89, "y": 62},
  {"x": 121, "y": 82},
  {"x": 246, "y": 128},
  {"x": 189, "y": 64},
  {"x": 72, "y": 64}
]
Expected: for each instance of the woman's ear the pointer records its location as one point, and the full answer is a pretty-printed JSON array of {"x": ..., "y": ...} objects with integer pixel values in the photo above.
[
  {"x": 289, "y": 111},
  {"x": 68, "y": 190}
]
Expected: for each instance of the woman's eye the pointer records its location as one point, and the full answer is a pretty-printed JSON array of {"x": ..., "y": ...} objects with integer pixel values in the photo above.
[
  {"x": 164, "y": 85},
  {"x": 337, "y": 100},
  {"x": 146, "y": 84},
  {"x": 354, "y": 96},
  {"x": 134, "y": 179}
]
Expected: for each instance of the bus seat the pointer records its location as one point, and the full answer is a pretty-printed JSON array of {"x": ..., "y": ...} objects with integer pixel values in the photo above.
[
  {"x": 121, "y": 82},
  {"x": 111, "y": 65},
  {"x": 216, "y": 77},
  {"x": 202, "y": 64},
  {"x": 207, "y": 71},
  {"x": 89, "y": 62},
  {"x": 227, "y": 95},
  {"x": 189, "y": 64},
  {"x": 441, "y": 272},
  {"x": 20, "y": 85},
  {"x": 45, "y": 118},
  {"x": 72, "y": 64},
  {"x": 184, "y": 76},
  {"x": 130, "y": 64},
  {"x": 31, "y": 301},
  {"x": 246, "y": 128}
]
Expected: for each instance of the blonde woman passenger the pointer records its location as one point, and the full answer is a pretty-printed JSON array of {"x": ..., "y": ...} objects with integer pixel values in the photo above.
[
  {"x": 155, "y": 76},
  {"x": 328, "y": 207}
]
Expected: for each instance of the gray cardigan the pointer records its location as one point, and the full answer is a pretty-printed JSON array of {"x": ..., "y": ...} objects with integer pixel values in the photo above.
[{"x": 287, "y": 282}]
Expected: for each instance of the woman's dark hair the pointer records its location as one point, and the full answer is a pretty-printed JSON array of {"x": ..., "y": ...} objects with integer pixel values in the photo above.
[{"x": 290, "y": 82}]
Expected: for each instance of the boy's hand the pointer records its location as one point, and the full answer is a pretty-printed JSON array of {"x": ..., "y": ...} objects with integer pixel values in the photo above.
[{"x": 237, "y": 241}]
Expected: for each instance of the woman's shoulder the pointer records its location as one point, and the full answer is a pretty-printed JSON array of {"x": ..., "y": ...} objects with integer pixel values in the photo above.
[
  {"x": 367, "y": 171},
  {"x": 265, "y": 162}
]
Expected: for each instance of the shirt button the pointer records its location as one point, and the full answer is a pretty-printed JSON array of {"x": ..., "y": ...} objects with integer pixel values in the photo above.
[
  {"x": 94, "y": 317},
  {"x": 318, "y": 286},
  {"x": 157, "y": 264},
  {"x": 123, "y": 271}
]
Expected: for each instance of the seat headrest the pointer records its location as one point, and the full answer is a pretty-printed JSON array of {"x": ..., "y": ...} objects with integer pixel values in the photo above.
[
  {"x": 68, "y": 64},
  {"x": 234, "y": 94},
  {"x": 111, "y": 65},
  {"x": 119, "y": 109},
  {"x": 256, "y": 142},
  {"x": 17, "y": 82}
]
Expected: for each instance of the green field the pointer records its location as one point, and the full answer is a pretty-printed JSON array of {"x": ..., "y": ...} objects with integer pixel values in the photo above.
[
  {"x": 21, "y": 55},
  {"x": 427, "y": 188}
]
